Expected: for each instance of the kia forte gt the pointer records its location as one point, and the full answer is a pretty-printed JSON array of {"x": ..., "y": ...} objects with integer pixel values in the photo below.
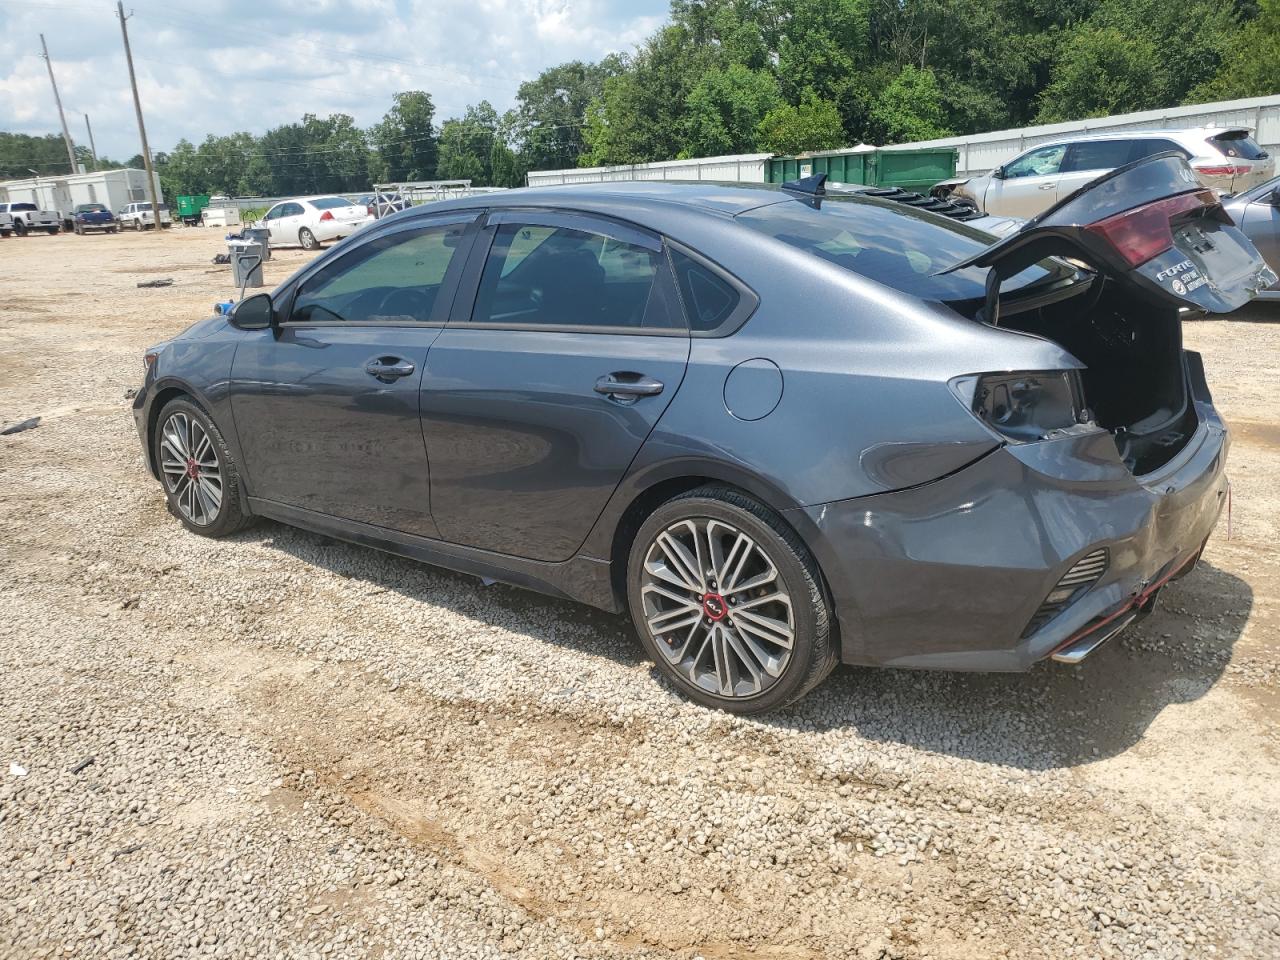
[{"x": 781, "y": 428}]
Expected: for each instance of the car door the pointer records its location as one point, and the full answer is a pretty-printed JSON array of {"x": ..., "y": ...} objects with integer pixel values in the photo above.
[
  {"x": 271, "y": 220},
  {"x": 1027, "y": 185},
  {"x": 326, "y": 405},
  {"x": 564, "y": 347},
  {"x": 1087, "y": 160},
  {"x": 1261, "y": 223}
]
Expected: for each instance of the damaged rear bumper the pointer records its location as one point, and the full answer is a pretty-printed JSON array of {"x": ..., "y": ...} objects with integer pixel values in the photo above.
[{"x": 952, "y": 574}]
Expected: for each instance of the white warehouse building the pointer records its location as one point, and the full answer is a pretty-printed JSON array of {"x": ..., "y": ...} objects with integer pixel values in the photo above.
[{"x": 115, "y": 189}]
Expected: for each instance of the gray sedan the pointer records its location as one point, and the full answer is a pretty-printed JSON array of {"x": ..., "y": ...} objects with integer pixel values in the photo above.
[
  {"x": 1257, "y": 212},
  {"x": 781, "y": 428}
]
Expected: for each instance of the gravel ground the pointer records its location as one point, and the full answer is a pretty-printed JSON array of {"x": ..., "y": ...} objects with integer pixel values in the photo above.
[{"x": 283, "y": 746}]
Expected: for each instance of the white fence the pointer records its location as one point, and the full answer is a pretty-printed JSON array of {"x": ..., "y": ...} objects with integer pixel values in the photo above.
[
  {"x": 743, "y": 168},
  {"x": 980, "y": 152}
]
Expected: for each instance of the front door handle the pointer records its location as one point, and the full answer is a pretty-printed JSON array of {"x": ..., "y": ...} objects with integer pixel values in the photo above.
[
  {"x": 627, "y": 384},
  {"x": 388, "y": 369},
  {"x": 1047, "y": 186}
]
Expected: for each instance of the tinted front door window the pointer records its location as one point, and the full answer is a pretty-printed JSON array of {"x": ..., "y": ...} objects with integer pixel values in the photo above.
[
  {"x": 320, "y": 428},
  {"x": 525, "y": 450}
]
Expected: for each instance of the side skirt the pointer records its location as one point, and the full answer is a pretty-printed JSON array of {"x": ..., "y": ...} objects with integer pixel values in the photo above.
[{"x": 582, "y": 579}]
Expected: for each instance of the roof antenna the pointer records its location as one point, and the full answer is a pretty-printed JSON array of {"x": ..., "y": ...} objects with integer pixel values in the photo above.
[{"x": 811, "y": 185}]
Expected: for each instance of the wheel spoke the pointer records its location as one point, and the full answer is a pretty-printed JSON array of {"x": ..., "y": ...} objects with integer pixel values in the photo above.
[
  {"x": 683, "y": 564},
  {"x": 766, "y": 628},
  {"x": 745, "y": 655}
]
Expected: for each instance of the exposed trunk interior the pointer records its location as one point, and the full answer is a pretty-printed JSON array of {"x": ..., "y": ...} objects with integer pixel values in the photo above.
[{"x": 1135, "y": 381}]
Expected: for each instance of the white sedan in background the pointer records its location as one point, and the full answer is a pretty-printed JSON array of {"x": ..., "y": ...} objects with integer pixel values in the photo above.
[{"x": 309, "y": 221}]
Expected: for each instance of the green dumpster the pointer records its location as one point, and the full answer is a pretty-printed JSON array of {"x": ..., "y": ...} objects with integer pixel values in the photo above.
[
  {"x": 190, "y": 208},
  {"x": 912, "y": 169},
  {"x": 917, "y": 169}
]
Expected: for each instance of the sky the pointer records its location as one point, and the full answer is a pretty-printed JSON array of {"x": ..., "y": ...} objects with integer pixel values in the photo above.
[{"x": 218, "y": 66}]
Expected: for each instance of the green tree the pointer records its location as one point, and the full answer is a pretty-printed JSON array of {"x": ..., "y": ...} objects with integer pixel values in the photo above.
[
  {"x": 909, "y": 108},
  {"x": 405, "y": 139},
  {"x": 814, "y": 124},
  {"x": 1251, "y": 62},
  {"x": 466, "y": 145},
  {"x": 725, "y": 108},
  {"x": 550, "y": 113}
]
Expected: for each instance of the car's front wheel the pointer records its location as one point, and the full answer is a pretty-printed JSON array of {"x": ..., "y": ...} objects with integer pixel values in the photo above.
[
  {"x": 200, "y": 478},
  {"x": 308, "y": 239},
  {"x": 729, "y": 602}
]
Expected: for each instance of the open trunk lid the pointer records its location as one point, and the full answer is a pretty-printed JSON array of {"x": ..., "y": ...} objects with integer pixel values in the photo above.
[{"x": 1148, "y": 225}]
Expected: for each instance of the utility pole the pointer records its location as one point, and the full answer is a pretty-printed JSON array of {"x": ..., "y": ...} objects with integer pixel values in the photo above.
[
  {"x": 66, "y": 134},
  {"x": 142, "y": 129},
  {"x": 93, "y": 150}
]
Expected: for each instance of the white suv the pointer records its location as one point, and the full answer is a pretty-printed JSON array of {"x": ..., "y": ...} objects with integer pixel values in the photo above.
[
  {"x": 1228, "y": 160},
  {"x": 138, "y": 216}
]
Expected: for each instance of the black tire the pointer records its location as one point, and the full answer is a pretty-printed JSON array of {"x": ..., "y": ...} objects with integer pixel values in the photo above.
[
  {"x": 308, "y": 239},
  {"x": 19, "y": 228},
  {"x": 137, "y": 226},
  {"x": 113, "y": 229},
  {"x": 79, "y": 232},
  {"x": 5, "y": 233},
  {"x": 813, "y": 652},
  {"x": 53, "y": 231},
  {"x": 229, "y": 518}
]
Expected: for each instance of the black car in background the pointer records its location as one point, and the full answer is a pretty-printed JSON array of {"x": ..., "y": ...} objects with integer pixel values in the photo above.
[{"x": 88, "y": 217}]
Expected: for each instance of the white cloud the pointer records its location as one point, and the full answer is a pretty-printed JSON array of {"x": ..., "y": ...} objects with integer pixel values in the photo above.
[{"x": 228, "y": 65}]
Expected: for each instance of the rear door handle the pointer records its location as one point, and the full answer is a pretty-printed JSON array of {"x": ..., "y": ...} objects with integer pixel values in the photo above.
[
  {"x": 627, "y": 384},
  {"x": 1047, "y": 186},
  {"x": 388, "y": 369}
]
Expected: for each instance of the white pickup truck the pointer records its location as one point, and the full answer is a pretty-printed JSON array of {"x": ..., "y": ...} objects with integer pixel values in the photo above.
[
  {"x": 28, "y": 217},
  {"x": 6, "y": 224},
  {"x": 138, "y": 216}
]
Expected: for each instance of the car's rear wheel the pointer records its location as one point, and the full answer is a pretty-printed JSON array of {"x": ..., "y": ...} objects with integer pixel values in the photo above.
[
  {"x": 53, "y": 231},
  {"x": 19, "y": 228},
  {"x": 308, "y": 239},
  {"x": 200, "y": 478},
  {"x": 137, "y": 226},
  {"x": 729, "y": 602}
]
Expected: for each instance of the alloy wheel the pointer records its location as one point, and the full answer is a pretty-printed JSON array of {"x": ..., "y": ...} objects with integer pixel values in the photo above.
[
  {"x": 192, "y": 473},
  {"x": 716, "y": 607}
]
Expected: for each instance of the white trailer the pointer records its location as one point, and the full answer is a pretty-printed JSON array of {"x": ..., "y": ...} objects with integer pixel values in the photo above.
[
  {"x": 743, "y": 168},
  {"x": 116, "y": 189}
]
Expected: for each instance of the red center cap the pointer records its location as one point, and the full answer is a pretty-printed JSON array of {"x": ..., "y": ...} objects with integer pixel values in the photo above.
[
  {"x": 193, "y": 468},
  {"x": 713, "y": 606}
]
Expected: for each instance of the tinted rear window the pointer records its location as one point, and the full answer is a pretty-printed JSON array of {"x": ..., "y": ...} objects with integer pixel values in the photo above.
[
  {"x": 892, "y": 244},
  {"x": 1237, "y": 143},
  {"x": 23, "y": 206},
  {"x": 329, "y": 203},
  {"x": 1096, "y": 155},
  {"x": 90, "y": 208}
]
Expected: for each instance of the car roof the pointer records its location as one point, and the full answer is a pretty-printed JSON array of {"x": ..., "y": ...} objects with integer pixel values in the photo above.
[
  {"x": 728, "y": 199},
  {"x": 1185, "y": 133}
]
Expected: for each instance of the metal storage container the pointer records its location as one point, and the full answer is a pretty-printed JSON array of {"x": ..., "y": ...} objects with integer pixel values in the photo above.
[{"x": 910, "y": 169}]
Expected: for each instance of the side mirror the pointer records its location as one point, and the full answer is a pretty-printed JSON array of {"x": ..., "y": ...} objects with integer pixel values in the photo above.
[
  {"x": 1274, "y": 196},
  {"x": 256, "y": 313},
  {"x": 998, "y": 173}
]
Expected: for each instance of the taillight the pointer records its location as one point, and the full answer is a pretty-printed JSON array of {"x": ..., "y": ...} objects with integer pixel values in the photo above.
[
  {"x": 1220, "y": 169},
  {"x": 1025, "y": 406},
  {"x": 1142, "y": 233},
  {"x": 327, "y": 215}
]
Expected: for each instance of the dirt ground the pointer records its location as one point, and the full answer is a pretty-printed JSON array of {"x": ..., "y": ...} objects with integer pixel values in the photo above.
[{"x": 299, "y": 748}]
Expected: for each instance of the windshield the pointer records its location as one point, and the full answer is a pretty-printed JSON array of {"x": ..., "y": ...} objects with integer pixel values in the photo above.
[
  {"x": 1238, "y": 143},
  {"x": 329, "y": 203},
  {"x": 896, "y": 245}
]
